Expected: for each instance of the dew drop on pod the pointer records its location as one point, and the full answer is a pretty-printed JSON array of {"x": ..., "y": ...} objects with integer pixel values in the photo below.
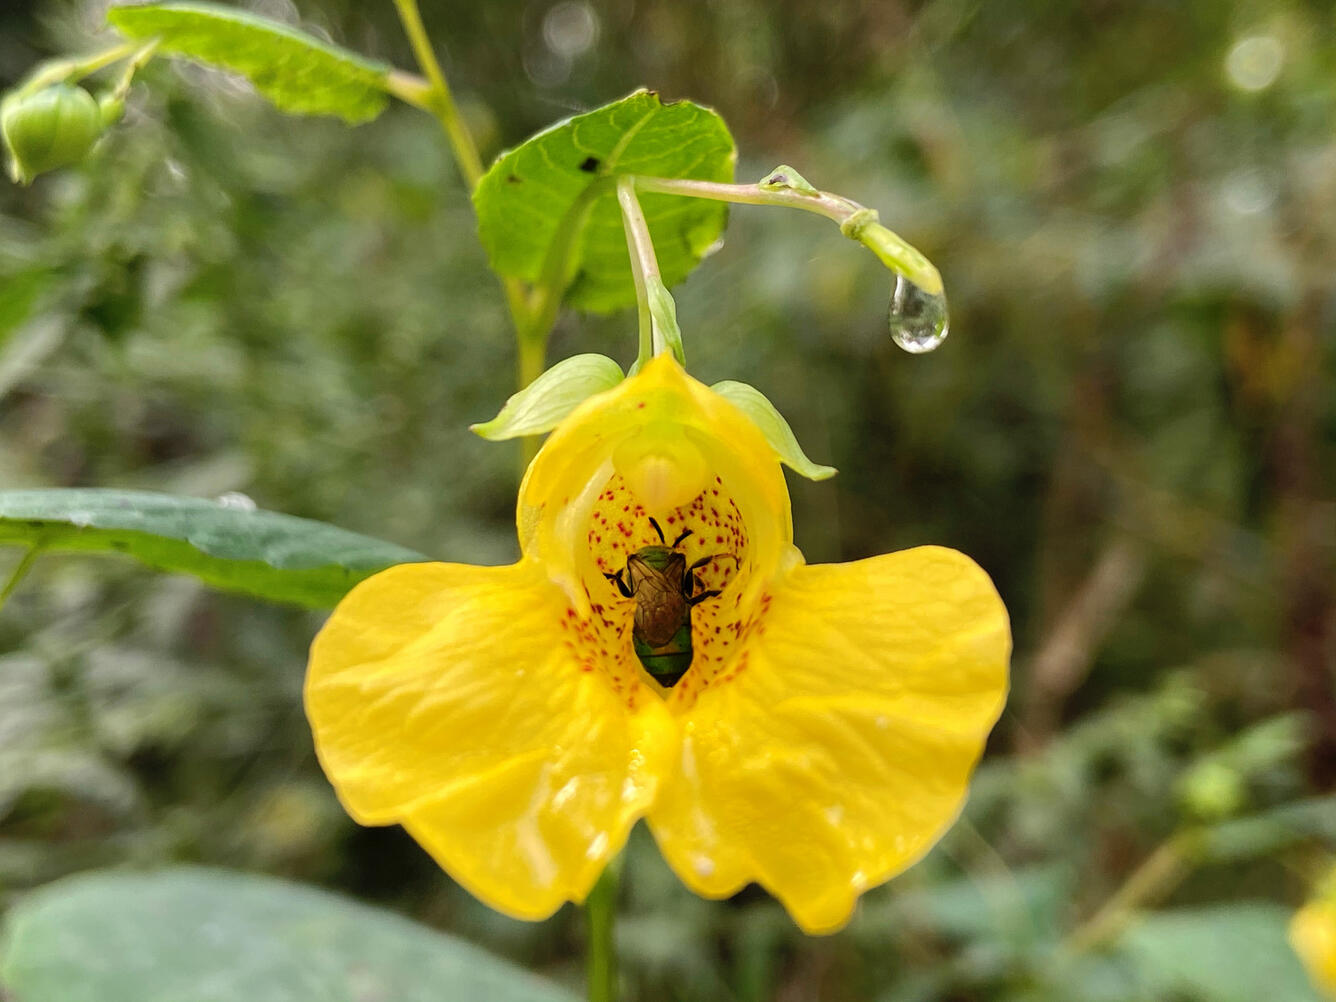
[{"x": 53, "y": 127}]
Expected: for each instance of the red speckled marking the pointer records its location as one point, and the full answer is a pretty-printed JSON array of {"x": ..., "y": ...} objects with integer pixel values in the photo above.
[{"x": 619, "y": 526}]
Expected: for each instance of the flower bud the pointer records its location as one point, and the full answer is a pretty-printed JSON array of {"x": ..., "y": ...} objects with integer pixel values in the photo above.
[{"x": 50, "y": 128}]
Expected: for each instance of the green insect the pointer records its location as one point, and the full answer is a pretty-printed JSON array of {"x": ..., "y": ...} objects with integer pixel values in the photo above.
[{"x": 664, "y": 587}]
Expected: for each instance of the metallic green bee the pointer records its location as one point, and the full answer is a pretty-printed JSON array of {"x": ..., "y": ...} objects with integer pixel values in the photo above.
[{"x": 664, "y": 588}]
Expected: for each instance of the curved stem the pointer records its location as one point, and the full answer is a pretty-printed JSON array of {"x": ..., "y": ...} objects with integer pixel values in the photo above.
[
  {"x": 823, "y": 203},
  {"x": 857, "y": 222},
  {"x": 532, "y": 320},
  {"x": 601, "y": 916},
  {"x": 76, "y": 67},
  {"x": 644, "y": 263},
  {"x": 20, "y": 572},
  {"x": 461, "y": 140}
]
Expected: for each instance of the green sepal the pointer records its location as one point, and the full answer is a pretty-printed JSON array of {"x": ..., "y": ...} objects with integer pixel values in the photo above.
[
  {"x": 663, "y": 311},
  {"x": 49, "y": 128},
  {"x": 785, "y": 178},
  {"x": 546, "y": 402},
  {"x": 776, "y": 430}
]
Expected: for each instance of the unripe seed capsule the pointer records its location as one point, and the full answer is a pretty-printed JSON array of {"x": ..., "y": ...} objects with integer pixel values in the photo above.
[{"x": 54, "y": 127}]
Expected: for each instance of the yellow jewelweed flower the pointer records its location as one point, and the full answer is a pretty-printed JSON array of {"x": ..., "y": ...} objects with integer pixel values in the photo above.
[
  {"x": 821, "y": 741},
  {"x": 1313, "y": 936}
]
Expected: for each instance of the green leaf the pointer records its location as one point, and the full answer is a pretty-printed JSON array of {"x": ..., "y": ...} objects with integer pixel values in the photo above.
[
  {"x": 545, "y": 402},
  {"x": 556, "y": 187},
  {"x": 776, "y": 430},
  {"x": 260, "y": 553},
  {"x": 212, "y": 936},
  {"x": 1235, "y": 952},
  {"x": 1270, "y": 832},
  {"x": 297, "y": 72},
  {"x": 19, "y": 294}
]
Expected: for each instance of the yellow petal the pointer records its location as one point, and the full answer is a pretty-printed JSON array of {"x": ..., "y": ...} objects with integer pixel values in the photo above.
[
  {"x": 837, "y": 747},
  {"x": 459, "y": 702},
  {"x": 666, "y": 436},
  {"x": 1313, "y": 936}
]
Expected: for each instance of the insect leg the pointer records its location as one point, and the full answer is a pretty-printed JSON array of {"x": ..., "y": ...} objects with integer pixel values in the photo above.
[
  {"x": 697, "y": 599},
  {"x": 622, "y": 586}
]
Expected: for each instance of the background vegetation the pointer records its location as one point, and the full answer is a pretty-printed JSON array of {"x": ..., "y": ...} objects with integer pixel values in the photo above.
[{"x": 1132, "y": 427}]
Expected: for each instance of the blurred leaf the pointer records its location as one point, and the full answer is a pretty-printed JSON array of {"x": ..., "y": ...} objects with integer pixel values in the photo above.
[
  {"x": 555, "y": 185},
  {"x": 1271, "y": 831},
  {"x": 260, "y": 553},
  {"x": 19, "y": 293},
  {"x": 214, "y": 936},
  {"x": 1223, "y": 953},
  {"x": 297, "y": 72},
  {"x": 1025, "y": 904},
  {"x": 545, "y": 402}
]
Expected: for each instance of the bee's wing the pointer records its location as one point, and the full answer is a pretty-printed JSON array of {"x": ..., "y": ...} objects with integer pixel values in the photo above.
[{"x": 660, "y": 603}]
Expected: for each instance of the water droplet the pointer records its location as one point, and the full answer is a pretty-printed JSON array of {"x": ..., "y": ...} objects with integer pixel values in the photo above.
[
  {"x": 236, "y": 501},
  {"x": 918, "y": 320},
  {"x": 703, "y": 865}
]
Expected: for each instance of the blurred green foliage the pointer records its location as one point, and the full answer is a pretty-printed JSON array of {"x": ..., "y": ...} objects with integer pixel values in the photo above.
[{"x": 1132, "y": 427}]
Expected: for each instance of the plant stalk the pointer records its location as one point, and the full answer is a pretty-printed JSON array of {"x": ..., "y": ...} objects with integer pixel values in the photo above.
[
  {"x": 19, "y": 573},
  {"x": 461, "y": 140},
  {"x": 857, "y": 222},
  {"x": 644, "y": 265},
  {"x": 1158, "y": 874},
  {"x": 601, "y": 915}
]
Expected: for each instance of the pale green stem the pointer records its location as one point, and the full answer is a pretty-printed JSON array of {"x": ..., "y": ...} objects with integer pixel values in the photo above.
[
  {"x": 644, "y": 265},
  {"x": 532, "y": 321},
  {"x": 601, "y": 916},
  {"x": 532, "y": 360},
  {"x": 833, "y": 207},
  {"x": 76, "y": 67},
  {"x": 1160, "y": 873},
  {"x": 857, "y": 222},
  {"x": 136, "y": 63},
  {"x": 20, "y": 572}
]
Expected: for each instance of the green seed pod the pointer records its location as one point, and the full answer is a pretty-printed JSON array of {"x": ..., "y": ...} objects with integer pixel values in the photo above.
[{"x": 51, "y": 128}]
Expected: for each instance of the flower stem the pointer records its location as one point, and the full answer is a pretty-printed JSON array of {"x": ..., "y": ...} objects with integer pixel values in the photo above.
[
  {"x": 20, "y": 572},
  {"x": 833, "y": 207},
  {"x": 75, "y": 67},
  {"x": 137, "y": 62},
  {"x": 1160, "y": 873},
  {"x": 857, "y": 222},
  {"x": 644, "y": 263},
  {"x": 601, "y": 916},
  {"x": 461, "y": 140},
  {"x": 532, "y": 321}
]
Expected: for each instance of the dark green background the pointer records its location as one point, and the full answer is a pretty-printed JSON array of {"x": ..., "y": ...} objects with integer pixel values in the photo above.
[{"x": 1131, "y": 427}]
